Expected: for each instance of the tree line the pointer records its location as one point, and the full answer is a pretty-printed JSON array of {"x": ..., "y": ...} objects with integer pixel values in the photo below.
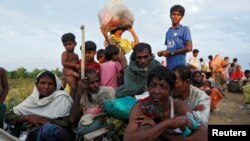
[{"x": 22, "y": 72}]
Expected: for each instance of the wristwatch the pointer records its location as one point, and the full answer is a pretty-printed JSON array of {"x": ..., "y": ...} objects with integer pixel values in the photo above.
[{"x": 171, "y": 53}]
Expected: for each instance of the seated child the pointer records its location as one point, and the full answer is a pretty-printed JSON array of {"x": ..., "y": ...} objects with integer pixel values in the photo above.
[{"x": 90, "y": 51}]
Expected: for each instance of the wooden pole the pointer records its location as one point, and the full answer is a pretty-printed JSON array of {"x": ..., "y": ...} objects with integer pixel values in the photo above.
[{"x": 83, "y": 51}]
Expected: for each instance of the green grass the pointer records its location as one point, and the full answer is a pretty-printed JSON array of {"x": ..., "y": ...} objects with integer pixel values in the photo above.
[{"x": 19, "y": 90}]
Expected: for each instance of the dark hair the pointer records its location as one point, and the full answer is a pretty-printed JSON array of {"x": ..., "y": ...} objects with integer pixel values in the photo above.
[
  {"x": 110, "y": 51},
  {"x": 246, "y": 72},
  {"x": 46, "y": 74},
  {"x": 162, "y": 73},
  {"x": 210, "y": 57},
  {"x": 68, "y": 37},
  {"x": 226, "y": 57},
  {"x": 91, "y": 71},
  {"x": 208, "y": 74},
  {"x": 209, "y": 83},
  {"x": 235, "y": 60},
  {"x": 89, "y": 45},
  {"x": 195, "y": 51},
  {"x": 100, "y": 53},
  {"x": 178, "y": 8},
  {"x": 194, "y": 73},
  {"x": 194, "y": 82},
  {"x": 140, "y": 47},
  {"x": 201, "y": 59},
  {"x": 183, "y": 71}
]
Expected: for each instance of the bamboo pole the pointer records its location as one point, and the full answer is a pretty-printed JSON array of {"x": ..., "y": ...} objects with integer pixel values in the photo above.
[{"x": 83, "y": 51}]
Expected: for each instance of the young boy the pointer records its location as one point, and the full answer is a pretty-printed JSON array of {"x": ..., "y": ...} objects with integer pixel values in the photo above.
[
  {"x": 101, "y": 56},
  {"x": 111, "y": 68},
  {"x": 178, "y": 39},
  {"x": 70, "y": 61},
  {"x": 90, "y": 51}
]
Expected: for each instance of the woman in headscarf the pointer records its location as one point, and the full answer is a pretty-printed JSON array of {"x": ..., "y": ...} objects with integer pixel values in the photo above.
[
  {"x": 218, "y": 73},
  {"x": 45, "y": 113}
]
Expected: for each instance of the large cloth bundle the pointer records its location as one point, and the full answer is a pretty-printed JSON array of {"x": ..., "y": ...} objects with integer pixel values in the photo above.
[
  {"x": 246, "y": 93},
  {"x": 115, "y": 15},
  {"x": 233, "y": 86},
  {"x": 120, "y": 107}
]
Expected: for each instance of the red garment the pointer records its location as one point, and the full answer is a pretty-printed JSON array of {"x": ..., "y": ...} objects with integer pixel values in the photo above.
[
  {"x": 236, "y": 75},
  {"x": 148, "y": 108},
  {"x": 215, "y": 97},
  {"x": 93, "y": 65}
]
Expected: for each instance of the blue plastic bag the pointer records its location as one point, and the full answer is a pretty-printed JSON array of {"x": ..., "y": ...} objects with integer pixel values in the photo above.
[{"x": 120, "y": 107}]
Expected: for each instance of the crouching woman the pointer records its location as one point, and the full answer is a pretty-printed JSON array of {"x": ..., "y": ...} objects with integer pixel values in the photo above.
[{"x": 45, "y": 113}]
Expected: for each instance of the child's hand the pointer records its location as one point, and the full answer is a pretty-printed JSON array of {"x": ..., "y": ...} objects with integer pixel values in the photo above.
[
  {"x": 131, "y": 29},
  {"x": 199, "y": 107},
  {"x": 103, "y": 30}
]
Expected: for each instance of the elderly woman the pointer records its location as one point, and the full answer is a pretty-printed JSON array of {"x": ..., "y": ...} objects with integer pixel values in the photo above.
[{"x": 45, "y": 113}]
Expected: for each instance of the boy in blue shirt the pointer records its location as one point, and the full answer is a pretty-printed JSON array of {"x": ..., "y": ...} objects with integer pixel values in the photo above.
[{"x": 178, "y": 39}]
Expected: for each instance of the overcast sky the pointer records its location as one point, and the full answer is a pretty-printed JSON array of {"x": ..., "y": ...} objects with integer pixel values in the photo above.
[{"x": 31, "y": 30}]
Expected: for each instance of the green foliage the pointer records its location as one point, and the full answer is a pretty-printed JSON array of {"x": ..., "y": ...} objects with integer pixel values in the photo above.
[
  {"x": 22, "y": 72},
  {"x": 57, "y": 72},
  {"x": 19, "y": 90}
]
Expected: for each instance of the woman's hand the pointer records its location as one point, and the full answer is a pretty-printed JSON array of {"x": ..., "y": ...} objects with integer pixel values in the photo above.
[{"x": 36, "y": 120}]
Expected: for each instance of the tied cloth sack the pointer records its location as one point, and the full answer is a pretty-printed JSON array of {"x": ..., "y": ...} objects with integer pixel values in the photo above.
[
  {"x": 115, "y": 15},
  {"x": 120, "y": 107},
  {"x": 246, "y": 93}
]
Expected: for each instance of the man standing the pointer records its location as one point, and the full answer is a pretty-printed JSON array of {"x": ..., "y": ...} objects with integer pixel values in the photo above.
[
  {"x": 4, "y": 89},
  {"x": 135, "y": 75},
  {"x": 178, "y": 39},
  {"x": 193, "y": 62}
]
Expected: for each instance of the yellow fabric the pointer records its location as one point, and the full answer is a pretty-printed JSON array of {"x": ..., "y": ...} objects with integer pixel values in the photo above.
[
  {"x": 125, "y": 44},
  {"x": 67, "y": 89}
]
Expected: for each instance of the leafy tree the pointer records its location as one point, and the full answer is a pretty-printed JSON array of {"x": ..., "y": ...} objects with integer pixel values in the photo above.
[
  {"x": 57, "y": 72},
  {"x": 35, "y": 72},
  {"x": 12, "y": 75},
  {"x": 21, "y": 72}
]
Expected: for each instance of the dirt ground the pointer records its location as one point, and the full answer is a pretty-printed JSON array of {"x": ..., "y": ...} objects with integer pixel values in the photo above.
[{"x": 230, "y": 112}]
